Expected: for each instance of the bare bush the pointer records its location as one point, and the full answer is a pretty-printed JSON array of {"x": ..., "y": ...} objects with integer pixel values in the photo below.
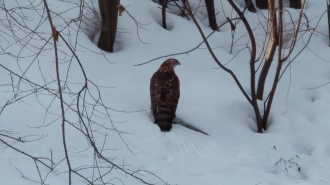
[{"x": 284, "y": 55}]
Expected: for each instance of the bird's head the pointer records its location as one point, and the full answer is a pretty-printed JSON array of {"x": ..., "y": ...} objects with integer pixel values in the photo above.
[
  {"x": 172, "y": 62},
  {"x": 168, "y": 65}
]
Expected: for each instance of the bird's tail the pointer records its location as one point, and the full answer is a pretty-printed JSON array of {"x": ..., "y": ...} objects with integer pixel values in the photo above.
[
  {"x": 165, "y": 118},
  {"x": 165, "y": 126}
]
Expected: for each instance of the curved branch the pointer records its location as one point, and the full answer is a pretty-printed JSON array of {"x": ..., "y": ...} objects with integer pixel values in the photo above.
[{"x": 188, "y": 8}]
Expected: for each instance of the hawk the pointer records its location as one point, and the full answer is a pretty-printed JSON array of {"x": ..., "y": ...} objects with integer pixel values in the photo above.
[{"x": 165, "y": 94}]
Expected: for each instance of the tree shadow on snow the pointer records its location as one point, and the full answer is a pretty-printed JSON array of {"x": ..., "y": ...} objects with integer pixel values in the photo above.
[{"x": 180, "y": 122}]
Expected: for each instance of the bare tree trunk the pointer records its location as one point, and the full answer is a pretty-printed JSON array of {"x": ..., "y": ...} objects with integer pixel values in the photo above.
[
  {"x": 262, "y": 4},
  {"x": 109, "y": 14},
  {"x": 250, "y": 6},
  {"x": 295, "y": 4},
  {"x": 271, "y": 49},
  {"x": 328, "y": 9},
  {"x": 164, "y": 6},
  {"x": 281, "y": 58},
  {"x": 211, "y": 14},
  {"x": 279, "y": 64}
]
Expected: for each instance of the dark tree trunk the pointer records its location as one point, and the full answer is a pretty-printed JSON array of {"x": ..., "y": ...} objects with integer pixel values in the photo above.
[
  {"x": 109, "y": 15},
  {"x": 164, "y": 6},
  {"x": 295, "y": 4},
  {"x": 211, "y": 14},
  {"x": 328, "y": 8},
  {"x": 160, "y": 2},
  {"x": 250, "y": 6},
  {"x": 262, "y": 4}
]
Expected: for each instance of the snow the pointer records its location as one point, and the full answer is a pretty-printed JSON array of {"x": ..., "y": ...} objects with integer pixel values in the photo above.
[{"x": 294, "y": 150}]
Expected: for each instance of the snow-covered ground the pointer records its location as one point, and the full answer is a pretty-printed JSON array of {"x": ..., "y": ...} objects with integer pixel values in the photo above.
[{"x": 294, "y": 150}]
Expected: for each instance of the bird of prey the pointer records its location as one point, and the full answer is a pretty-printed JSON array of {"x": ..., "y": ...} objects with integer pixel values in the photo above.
[{"x": 165, "y": 94}]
